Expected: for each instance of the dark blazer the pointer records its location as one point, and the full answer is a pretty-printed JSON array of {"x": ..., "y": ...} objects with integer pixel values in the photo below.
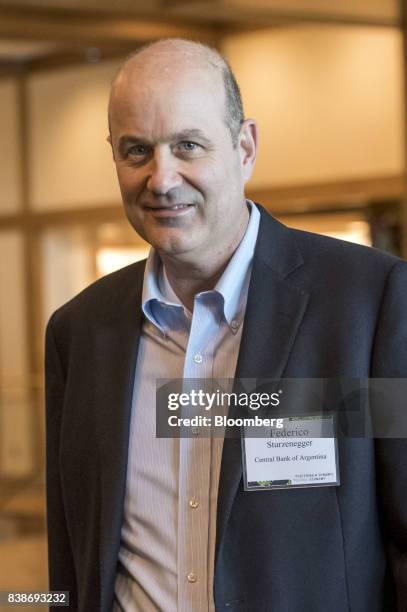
[{"x": 317, "y": 307}]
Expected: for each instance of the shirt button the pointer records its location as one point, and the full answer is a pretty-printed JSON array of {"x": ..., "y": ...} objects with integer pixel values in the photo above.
[
  {"x": 192, "y": 577},
  {"x": 234, "y": 324},
  {"x": 193, "y": 503},
  {"x": 198, "y": 358}
]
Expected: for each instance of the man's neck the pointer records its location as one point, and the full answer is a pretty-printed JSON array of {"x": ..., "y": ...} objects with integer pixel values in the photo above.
[
  {"x": 188, "y": 278},
  {"x": 187, "y": 283}
]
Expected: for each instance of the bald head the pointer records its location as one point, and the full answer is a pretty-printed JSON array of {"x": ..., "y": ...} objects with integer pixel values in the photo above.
[{"x": 172, "y": 58}]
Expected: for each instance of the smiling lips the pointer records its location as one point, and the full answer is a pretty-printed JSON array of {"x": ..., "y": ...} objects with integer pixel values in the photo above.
[{"x": 169, "y": 211}]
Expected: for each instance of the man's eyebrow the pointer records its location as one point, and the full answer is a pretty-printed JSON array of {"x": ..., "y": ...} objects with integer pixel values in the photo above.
[{"x": 187, "y": 134}]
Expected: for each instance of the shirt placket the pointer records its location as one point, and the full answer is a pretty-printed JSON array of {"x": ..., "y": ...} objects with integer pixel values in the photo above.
[{"x": 195, "y": 471}]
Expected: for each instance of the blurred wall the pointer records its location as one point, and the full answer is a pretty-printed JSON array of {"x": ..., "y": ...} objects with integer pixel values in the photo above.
[
  {"x": 329, "y": 101},
  {"x": 10, "y": 176},
  {"x": 71, "y": 162}
]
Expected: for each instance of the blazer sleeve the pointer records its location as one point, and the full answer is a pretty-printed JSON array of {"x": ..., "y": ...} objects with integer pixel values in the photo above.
[
  {"x": 390, "y": 361},
  {"x": 60, "y": 559}
]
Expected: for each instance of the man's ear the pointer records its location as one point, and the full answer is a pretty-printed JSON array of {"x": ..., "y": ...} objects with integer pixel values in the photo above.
[
  {"x": 248, "y": 140},
  {"x": 109, "y": 140}
]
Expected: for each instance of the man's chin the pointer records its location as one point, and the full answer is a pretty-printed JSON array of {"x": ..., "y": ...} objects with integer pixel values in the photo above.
[
  {"x": 174, "y": 246},
  {"x": 180, "y": 249}
]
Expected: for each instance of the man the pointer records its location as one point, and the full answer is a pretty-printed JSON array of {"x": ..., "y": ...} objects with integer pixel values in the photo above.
[{"x": 138, "y": 523}]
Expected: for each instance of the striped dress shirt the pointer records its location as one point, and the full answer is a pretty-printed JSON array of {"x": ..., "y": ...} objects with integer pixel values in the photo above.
[{"x": 167, "y": 549}]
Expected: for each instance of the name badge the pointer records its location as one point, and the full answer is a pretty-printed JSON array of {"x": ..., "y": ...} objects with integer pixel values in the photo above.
[{"x": 302, "y": 452}]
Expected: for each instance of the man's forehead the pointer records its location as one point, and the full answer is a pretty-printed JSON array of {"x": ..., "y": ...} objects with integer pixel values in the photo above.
[
  {"x": 155, "y": 98},
  {"x": 169, "y": 65},
  {"x": 143, "y": 94},
  {"x": 149, "y": 126},
  {"x": 167, "y": 76}
]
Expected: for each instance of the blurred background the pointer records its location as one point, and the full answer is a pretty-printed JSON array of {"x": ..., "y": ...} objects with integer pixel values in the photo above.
[{"x": 326, "y": 82}]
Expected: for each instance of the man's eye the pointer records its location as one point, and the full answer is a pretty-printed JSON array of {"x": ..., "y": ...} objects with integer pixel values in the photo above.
[
  {"x": 137, "y": 150},
  {"x": 188, "y": 146}
]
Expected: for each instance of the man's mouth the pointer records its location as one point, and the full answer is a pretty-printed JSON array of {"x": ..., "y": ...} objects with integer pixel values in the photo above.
[
  {"x": 170, "y": 211},
  {"x": 174, "y": 207}
]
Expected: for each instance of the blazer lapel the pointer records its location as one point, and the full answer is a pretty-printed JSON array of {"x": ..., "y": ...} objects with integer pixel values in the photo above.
[
  {"x": 116, "y": 346},
  {"x": 274, "y": 311}
]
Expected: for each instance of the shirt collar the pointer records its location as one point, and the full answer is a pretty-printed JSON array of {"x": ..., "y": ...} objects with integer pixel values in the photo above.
[
  {"x": 157, "y": 292},
  {"x": 232, "y": 285},
  {"x": 234, "y": 282}
]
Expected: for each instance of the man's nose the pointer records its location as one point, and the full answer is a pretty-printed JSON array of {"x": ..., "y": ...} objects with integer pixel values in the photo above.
[{"x": 164, "y": 173}]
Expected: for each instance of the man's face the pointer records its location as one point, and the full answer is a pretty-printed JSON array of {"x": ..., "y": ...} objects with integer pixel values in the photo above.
[{"x": 180, "y": 176}]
